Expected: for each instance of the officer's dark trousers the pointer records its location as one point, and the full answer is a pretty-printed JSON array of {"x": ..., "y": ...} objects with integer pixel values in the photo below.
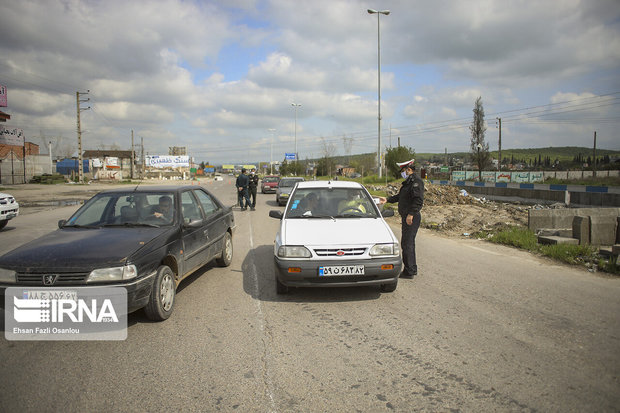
[
  {"x": 408, "y": 243},
  {"x": 253, "y": 196}
]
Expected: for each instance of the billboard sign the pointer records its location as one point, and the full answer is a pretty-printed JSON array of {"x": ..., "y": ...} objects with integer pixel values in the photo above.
[
  {"x": 3, "y": 98},
  {"x": 167, "y": 161},
  {"x": 228, "y": 167},
  {"x": 11, "y": 136},
  {"x": 289, "y": 156}
]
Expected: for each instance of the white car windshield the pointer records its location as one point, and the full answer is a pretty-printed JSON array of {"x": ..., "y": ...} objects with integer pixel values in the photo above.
[{"x": 331, "y": 203}]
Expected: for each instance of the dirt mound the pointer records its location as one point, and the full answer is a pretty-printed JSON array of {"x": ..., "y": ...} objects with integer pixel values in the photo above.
[{"x": 452, "y": 211}]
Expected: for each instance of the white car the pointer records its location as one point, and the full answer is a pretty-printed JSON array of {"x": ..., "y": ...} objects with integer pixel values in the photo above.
[
  {"x": 9, "y": 209},
  {"x": 332, "y": 234}
]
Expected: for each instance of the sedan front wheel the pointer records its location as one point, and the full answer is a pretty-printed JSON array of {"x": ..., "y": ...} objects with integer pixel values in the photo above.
[{"x": 161, "y": 301}]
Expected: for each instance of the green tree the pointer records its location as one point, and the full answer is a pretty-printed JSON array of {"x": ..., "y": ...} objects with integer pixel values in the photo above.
[
  {"x": 397, "y": 154},
  {"x": 479, "y": 148}
]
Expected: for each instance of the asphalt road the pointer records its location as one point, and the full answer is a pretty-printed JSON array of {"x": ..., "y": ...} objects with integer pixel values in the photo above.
[{"x": 482, "y": 328}]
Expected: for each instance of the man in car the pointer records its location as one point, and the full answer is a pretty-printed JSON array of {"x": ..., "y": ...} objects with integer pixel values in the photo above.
[
  {"x": 352, "y": 204},
  {"x": 253, "y": 185},
  {"x": 164, "y": 210}
]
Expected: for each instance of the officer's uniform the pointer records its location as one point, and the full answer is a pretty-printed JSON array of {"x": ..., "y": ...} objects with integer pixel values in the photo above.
[
  {"x": 253, "y": 185},
  {"x": 410, "y": 199}
]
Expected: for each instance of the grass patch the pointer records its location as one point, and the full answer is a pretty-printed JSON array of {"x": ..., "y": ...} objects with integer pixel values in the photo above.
[{"x": 523, "y": 238}]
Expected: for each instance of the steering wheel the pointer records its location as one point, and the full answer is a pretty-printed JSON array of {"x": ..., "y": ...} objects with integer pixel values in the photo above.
[{"x": 355, "y": 209}]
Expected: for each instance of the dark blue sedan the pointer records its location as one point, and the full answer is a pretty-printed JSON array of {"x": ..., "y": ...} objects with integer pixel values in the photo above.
[{"x": 146, "y": 239}]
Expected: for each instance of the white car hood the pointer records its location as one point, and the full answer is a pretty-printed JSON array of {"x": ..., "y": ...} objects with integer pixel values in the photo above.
[{"x": 339, "y": 232}]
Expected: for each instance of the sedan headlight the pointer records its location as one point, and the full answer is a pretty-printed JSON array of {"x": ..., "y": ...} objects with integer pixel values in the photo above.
[
  {"x": 7, "y": 276},
  {"x": 288, "y": 251},
  {"x": 384, "y": 249},
  {"x": 113, "y": 274}
]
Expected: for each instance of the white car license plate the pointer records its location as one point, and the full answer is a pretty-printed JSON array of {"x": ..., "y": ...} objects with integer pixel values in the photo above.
[
  {"x": 341, "y": 270},
  {"x": 50, "y": 295}
]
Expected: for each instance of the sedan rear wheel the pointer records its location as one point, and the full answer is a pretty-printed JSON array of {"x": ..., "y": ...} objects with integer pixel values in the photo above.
[
  {"x": 227, "y": 252},
  {"x": 161, "y": 301}
]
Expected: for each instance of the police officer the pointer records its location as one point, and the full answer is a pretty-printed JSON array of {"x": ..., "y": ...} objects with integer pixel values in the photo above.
[
  {"x": 242, "y": 189},
  {"x": 410, "y": 199},
  {"x": 253, "y": 185}
]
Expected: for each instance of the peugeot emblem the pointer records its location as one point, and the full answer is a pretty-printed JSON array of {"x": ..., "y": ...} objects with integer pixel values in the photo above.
[{"x": 49, "y": 279}]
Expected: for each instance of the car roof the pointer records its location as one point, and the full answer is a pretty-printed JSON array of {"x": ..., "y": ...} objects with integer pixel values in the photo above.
[
  {"x": 151, "y": 188},
  {"x": 329, "y": 184},
  {"x": 292, "y": 178}
]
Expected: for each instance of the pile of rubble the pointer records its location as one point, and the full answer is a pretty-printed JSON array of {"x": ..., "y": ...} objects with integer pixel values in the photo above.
[{"x": 452, "y": 211}]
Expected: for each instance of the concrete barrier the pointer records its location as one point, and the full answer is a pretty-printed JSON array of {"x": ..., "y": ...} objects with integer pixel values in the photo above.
[
  {"x": 573, "y": 195},
  {"x": 563, "y": 218}
]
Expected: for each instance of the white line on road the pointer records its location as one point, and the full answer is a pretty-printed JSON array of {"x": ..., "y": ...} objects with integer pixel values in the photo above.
[{"x": 261, "y": 319}]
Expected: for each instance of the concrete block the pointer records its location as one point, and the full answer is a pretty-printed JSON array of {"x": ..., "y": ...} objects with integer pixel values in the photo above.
[
  {"x": 581, "y": 229},
  {"x": 563, "y": 218},
  {"x": 557, "y": 240},
  {"x": 558, "y": 232},
  {"x": 603, "y": 230}
]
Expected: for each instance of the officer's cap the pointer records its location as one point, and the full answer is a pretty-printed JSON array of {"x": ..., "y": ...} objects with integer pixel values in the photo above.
[{"x": 403, "y": 165}]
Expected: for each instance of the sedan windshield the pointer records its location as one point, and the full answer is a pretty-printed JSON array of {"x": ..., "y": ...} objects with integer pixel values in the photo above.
[
  {"x": 125, "y": 209},
  {"x": 285, "y": 183},
  {"x": 331, "y": 203}
]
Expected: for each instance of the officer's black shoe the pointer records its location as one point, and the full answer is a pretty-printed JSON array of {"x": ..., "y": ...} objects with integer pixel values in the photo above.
[{"x": 252, "y": 209}]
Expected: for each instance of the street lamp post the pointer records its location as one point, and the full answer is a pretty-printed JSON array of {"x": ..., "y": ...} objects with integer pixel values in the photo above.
[
  {"x": 271, "y": 152},
  {"x": 379, "y": 13},
  {"x": 296, "y": 105}
]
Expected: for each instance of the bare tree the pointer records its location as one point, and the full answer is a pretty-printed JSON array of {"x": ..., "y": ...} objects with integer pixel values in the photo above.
[
  {"x": 479, "y": 149},
  {"x": 65, "y": 148}
]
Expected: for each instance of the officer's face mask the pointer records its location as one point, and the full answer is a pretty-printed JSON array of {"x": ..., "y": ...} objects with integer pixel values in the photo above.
[{"x": 404, "y": 174}]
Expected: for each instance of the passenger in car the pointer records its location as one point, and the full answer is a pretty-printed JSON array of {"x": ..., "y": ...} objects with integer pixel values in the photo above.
[{"x": 308, "y": 205}]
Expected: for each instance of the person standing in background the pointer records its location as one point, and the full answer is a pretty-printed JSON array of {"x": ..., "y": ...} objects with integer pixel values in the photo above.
[
  {"x": 242, "y": 190},
  {"x": 253, "y": 185}
]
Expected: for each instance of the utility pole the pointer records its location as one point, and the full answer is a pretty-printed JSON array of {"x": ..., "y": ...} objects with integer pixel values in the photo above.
[
  {"x": 79, "y": 134},
  {"x": 133, "y": 156},
  {"x": 49, "y": 145},
  {"x": 594, "y": 157},
  {"x": 142, "y": 156},
  {"x": 499, "y": 164}
]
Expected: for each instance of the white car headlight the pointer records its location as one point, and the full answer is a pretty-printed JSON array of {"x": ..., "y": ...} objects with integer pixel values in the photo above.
[
  {"x": 7, "y": 276},
  {"x": 287, "y": 251},
  {"x": 113, "y": 274},
  {"x": 384, "y": 249}
]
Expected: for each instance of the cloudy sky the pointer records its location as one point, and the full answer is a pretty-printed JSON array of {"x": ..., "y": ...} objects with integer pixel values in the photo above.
[{"x": 220, "y": 77}]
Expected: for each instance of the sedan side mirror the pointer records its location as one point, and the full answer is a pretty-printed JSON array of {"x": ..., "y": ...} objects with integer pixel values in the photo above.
[
  {"x": 276, "y": 214},
  {"x": 62, "y": 223},
  {"x": 387, "y": 213}
]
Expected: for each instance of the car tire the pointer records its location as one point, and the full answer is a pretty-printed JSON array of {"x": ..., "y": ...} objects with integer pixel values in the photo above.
[
  {"x": 3, "y": 223},
  {"x": 227, "y": 251},
  {"x": 163, "y": 292},
  {"x": 281, "y": 288},
  {"x": 389, "y": 288}
]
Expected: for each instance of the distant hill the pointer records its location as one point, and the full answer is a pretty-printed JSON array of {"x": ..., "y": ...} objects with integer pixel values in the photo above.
[{"x": 563, "y": 153}]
